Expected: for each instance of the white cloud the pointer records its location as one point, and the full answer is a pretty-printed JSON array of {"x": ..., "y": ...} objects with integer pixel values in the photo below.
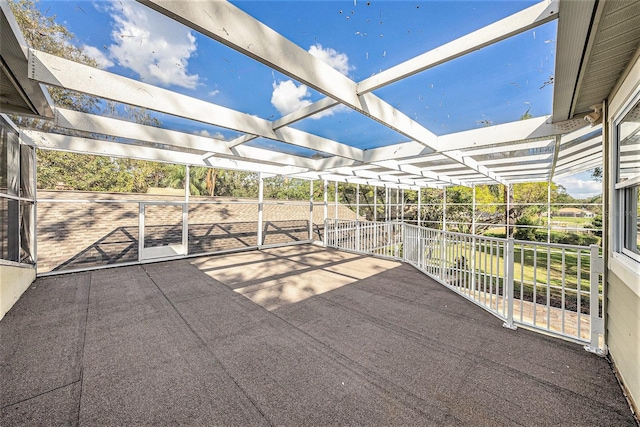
[
  {"x": 98, "y": 55},
  {"x": 580, "y": 188},
  {"x": 206, "y": 133},
  {"x": 337, "y": 60},
  {"x": 287, "y": 97},
  {"x": 152, "y": 45},
  {"x": 214, "y": 92}
]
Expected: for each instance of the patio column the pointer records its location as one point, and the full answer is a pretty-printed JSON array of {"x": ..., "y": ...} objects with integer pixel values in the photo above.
[
  {"x": 375, "y": 203},
  {"x": 260, "y": 207},
  {"x": 419, "y": 204},
  {"x": 185, "y": 210},
  {"x": 386, "y": 204},
  {"x": 508, "y": 208},
  {"x": 402, "y": 206},
  {"x": 549, "y": 211},
  {"x": 310, "y": 210},
  {"x": 473, "y": 211},
  {"x": 444, "y": 210},
  {"x": 357, "y": 201},
  {"x": 335, "y": 200},
  {"x": 325, "y": 209}
]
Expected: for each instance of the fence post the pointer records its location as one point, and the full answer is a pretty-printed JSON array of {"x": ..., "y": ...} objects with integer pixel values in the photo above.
[
  {"x": 509, "y": 266},
  {"x": 404, "y": 242},
  {"x": 358, "y": 249},
  {"x": 596, "y": 268}
]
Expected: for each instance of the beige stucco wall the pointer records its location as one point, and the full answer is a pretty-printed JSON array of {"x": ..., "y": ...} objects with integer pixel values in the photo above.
[
  {"x": 623, "y": 282},
  {"x": 13, "y": 282},
  {"x": 623, "y": 327}
]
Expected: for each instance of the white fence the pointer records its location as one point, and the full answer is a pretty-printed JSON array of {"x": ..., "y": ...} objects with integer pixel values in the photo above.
[{"x": 552, "y": 288}]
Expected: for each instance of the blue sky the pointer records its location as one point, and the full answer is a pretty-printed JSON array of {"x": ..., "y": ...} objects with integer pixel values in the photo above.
[{"x": 359, "y": 38}]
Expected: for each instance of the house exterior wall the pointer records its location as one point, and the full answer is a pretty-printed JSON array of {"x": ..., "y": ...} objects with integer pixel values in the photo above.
[
  {"x": 14, "y": 281},
  {"x": 623, "y": 275}
]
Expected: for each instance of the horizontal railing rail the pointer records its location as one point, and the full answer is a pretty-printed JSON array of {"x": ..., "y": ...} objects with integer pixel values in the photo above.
[{"x": 549, "y": 287}]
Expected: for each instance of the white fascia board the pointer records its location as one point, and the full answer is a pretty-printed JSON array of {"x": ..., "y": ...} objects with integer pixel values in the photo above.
[
  {"x": 514, "y": 169},
  {"x": 396, "y": 151},
  {"x": 516, "y": 146},
  {"x": 471, "y": 163},
  {"x": 517, "y": 23},
  {"x": 421, "y": 172},
  {"x": 64, "y": 73},
  {"x": 526, "y": 172},
  {"x": 491, "y": 135},
  {"x": 75, "y": 120},
  {"x": 69, "y": 119},
  {"x": 61, "y": 72},
  {"x": 242, "y": 139},
  {"x": 318, "y": 143},
  {"x": 234, "y": 28},
  {"x": 334, "y": 162},
  {"x": 595, "y": 152},
  {"x": 114, "y": 149},
  {"x": 515, "y": 160},
  {"x": 227, "y": 24},
  {"x": 305, "y": 112},
  {"x": 585, "y": 145},
  {"x": 264, "y": 155}
]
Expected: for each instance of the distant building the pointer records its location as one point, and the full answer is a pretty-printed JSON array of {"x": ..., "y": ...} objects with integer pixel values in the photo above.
[{"x": 575, "y": 213}]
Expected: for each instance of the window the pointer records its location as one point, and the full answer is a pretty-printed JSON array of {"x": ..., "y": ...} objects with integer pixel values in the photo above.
[
  {"x": 627, "y": 183},
  {"x": 17, "y": 196}
]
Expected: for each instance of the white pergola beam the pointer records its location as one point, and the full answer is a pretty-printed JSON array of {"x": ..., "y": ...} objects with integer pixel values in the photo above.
[
  {"x": 57, "y": 71},
  {"x": 234, "y": 28},
  {"x": 517, "y": 23},
  {"x": 123, "y": 129},
  {"x": 97, "y": 147}
]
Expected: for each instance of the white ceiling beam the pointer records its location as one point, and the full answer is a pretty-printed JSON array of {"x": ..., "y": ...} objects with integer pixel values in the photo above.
[
  {"x": 517, "y": 23},
  {"x": 234, "y": 28},
  {"x": 60, "y": 72},
  {"x": 115, "y": 149},
  {"x": 124, "y": 129},
  {"x": 520, "y": 132},
  {"x": 414, "y": 170}
]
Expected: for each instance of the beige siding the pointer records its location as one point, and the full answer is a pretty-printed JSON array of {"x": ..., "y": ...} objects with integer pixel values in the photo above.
[
  {"x": 623, "y": 315},
  {"x": 13, "y": 282}
]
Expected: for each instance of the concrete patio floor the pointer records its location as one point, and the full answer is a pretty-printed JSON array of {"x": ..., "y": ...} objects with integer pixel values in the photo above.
[{"x": 298, "y": 335}]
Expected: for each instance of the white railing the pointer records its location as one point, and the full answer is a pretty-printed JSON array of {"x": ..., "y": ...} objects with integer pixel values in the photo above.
[{"x": 552, "y": 288}]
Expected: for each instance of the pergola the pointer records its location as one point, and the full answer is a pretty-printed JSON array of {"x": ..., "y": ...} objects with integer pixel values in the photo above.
[{"x": 538, "y": 149}]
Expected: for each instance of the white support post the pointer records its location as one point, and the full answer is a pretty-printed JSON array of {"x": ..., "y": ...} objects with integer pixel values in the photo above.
[
  {"x": 444, "y": 209},
  {"x": 596, "y": 268},
  {"x": 358, "y": 217},
  {"x": 419, "y": 204},
  {"x": 185, "y": 210},
  {"x": 310, "y": 210},
  {"x": 549, "y": 212},
  {"x": 325, "y": 210},
  {"x": 260, "y": 208},
  {"x": 387, "y": 208},
  {"x": 509, "y": 266},
  {"x": 473, "y": 242},
  {"x": 140, "y": 230},
  {"x": 397, "y": 204},
  {"x": 375, "y": 203},
  {"x": 34, "y": 227},
  {"x": 402, "y": 206},
  {"x": 508, "y": 209},
  {"x": 335, "y": 218}
]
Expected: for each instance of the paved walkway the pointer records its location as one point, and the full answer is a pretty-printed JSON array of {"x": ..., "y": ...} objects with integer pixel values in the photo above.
[{"x": 290, "y": 336}]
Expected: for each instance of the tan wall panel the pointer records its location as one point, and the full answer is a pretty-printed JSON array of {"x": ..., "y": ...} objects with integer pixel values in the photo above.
[
  {"x": 13, "y": 282},
  {"x": 623, "y": 328}
]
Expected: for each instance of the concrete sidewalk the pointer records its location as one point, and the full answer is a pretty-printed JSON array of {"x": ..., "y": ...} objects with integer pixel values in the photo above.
[{"x": 291, "y": 336}]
